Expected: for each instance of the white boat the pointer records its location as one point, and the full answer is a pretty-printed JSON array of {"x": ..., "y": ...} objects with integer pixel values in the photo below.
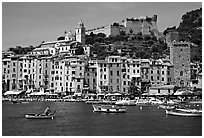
[
  {"x": 155, "y": 101},
  {"x": 39, "y": 116},
  {"x": 163, "y": 106},
  {"x": 108, "y": 108},
  {"x": 184, "y": 112},
  {"x": 126, "y": 102}
]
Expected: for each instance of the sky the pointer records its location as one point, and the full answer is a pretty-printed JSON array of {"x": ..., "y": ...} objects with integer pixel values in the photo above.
[{"x": 29, "y": 23}]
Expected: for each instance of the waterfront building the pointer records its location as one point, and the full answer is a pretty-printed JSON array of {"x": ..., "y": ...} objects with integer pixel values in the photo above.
[
  {"x": 103, "y": 76},
  {"x": 6, "y": 77},
  {"x": 161, "y": 90},
  {"x": 145, "y": 74},
  {"x": 91, "y": 75},
  {"x": 168, "y": 69},
  {"x": 114, "y": 68}
]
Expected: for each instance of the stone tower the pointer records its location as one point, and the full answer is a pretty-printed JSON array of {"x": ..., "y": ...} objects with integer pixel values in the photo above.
[
  {"x": 171, "y": 36},
  {"x": 180, "y": 57},
  {"x": 80, "y": 33}
]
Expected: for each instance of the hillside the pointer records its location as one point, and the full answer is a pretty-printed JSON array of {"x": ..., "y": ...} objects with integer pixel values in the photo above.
[{"x": 190, "y": 29}]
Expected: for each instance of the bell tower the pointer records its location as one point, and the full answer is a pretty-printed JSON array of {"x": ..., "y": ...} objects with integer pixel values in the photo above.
[{"x": 80, "y": 33}]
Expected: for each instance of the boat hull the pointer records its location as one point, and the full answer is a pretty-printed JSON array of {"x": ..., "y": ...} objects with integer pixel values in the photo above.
[
  {"x": 108, "y": 109},
  {"x": 182, "y": 113},
  {"x": 37, "y": 116}
]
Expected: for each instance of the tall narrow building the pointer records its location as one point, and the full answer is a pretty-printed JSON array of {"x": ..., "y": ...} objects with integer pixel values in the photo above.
[
  {"x": 80, "y": 33},
  {"x": 180, "y": 57}
]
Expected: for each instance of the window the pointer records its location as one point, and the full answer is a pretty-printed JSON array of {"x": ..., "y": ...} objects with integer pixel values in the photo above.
[
  {"x": 157, "y": 77},
  {"x": 123, "y": 89},
  {"x": 14, "y": 64},
  {"x": 151, "y": 71},
  {"x": 168, "y": 72},
  {"x": 124, "y": 82},
  {"x": 87, "y": 74},
  {"x": 117, "y": 80},
  {"x": 78, "y": 80},
  {"x": 94, "y": 80},
  {"x": 133, "y": 71},
  {"x": 104, "y": 76},
  {"x": 80, "y": 68},
  {"x": 52, "y": 84},
  {"x": 118, "y": 88},
  {"x": 73, "y": 72},
  {"x": 138, "y": 71},
  {"x": 181, "y": 73},
  {"x": 162, "y": 79},
  {"x": 118, "y": 73},
  {"x": 152, "y": 78},
  {"x": 162, "y": 72},
  {"x": 111, "y": 73},
  {"x": 104, "y": 69}
]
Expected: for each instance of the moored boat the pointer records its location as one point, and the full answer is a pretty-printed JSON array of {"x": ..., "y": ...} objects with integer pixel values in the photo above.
[
  {"x": 184, "y": 112},
  {"x": 109, "y": 108},
  {"x": 163, "y": 106},
  {"x": 126, "y": 102}
]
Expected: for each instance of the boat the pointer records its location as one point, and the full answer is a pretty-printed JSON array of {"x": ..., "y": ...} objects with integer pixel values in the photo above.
[
  {"x": 40, "y": 116},
  {"x": 108, "y": 108},
  {"x": 126, "y": 102},
  {"x": 166, "y": 106},
  {"x": 155, "y": 101},
  {"x": 184, "y": 112}
]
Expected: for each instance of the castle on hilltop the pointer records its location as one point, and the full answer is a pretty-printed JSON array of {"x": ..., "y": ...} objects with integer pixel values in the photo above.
[{"x": 145, "y": 25}]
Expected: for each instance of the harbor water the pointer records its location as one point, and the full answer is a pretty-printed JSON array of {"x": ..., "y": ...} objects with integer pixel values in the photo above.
[{"x": 78, "y": 119}]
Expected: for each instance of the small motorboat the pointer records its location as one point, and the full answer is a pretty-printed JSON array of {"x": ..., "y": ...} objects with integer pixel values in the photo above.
[
  {"x": 40, "y": 116},
  {"x": 109, "y": 108},
  {"x": 184, "y": 112}
]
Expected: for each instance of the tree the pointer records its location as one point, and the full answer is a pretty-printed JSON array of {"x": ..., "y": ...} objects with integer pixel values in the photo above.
[
  {"x": 79, "y": 51},
  {"x": 133, "y": 89}
]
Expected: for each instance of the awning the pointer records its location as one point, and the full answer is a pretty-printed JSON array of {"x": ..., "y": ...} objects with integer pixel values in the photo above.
[{"x": 12, "y": 92}]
